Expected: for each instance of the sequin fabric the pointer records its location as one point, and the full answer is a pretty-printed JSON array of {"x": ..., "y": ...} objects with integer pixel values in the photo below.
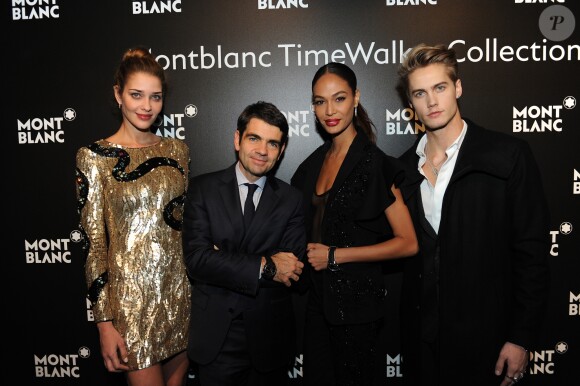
[
  {"x": 354, "y": 347},
  {"x": 340, "y": 217},
  {"x": 130, "y": 203}
]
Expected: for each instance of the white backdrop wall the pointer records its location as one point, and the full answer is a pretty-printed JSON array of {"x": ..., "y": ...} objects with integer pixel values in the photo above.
[{"x": 520, "y": 61}]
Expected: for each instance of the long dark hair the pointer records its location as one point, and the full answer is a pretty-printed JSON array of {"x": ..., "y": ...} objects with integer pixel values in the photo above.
[{"x": 361, "y": 120}]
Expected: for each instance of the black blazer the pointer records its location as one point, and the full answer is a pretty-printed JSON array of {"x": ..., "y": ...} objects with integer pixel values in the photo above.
[
  {"x": 224, "y": 266},
  {"x": 354, "y": 215}
]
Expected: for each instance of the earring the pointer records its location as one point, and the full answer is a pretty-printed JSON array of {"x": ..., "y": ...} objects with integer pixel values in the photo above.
[
  {"x": 119, "y": 106},
  {"x": 355, "y": 112}
]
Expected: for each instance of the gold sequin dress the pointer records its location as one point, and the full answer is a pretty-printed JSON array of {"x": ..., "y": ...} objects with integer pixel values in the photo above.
[{"x": 130, "y": 202}]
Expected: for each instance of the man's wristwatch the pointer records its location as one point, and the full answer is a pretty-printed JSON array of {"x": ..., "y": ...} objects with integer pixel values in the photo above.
[
  {"x": 269, "y": 270},
  {"x": 332, "y": 264}
]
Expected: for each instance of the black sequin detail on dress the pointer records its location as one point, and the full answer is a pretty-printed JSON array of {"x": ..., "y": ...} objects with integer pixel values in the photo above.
[
  {"x": 340, "y": 227},
  {"x": 97, "y": 286},
  {"x": 124, "y": 159},
  {"x": 83, "y": 191},
  {"x": 169, "y": 210},
  {"x": 130, "y": 202}
]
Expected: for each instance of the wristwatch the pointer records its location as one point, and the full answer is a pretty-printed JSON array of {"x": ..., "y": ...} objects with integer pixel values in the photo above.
[
  {"x": 269, "y": 270},
  {"x": 332, "y": 264}
]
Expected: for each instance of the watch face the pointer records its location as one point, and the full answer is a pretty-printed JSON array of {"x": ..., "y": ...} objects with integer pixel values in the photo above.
[{"x": 269, "y": 270}]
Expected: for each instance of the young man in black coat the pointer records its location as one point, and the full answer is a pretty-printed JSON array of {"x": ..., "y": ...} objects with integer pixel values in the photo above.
[{"x": 474, "y": 297}]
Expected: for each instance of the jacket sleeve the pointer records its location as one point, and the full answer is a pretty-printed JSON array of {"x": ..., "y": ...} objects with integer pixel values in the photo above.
[
  {"x": 208, "y": 261},
  {"x": 530, "y": 247}
]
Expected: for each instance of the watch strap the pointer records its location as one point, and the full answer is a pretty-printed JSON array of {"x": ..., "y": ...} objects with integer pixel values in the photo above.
[
  {"x": 332, "y": 264},
  {"x": 269, "y": 270}
]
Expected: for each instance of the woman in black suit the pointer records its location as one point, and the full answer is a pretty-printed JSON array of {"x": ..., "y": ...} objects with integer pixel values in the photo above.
[{"x": 355, "y": 218}]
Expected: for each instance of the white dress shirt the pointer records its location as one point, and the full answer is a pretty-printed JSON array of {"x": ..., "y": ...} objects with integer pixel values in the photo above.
[
  {"x": 433, "y": 195},
  {"x": 243, "y": 189}
]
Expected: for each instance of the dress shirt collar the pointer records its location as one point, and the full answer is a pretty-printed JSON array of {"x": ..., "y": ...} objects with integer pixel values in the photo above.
[
  {"x": 243, "y": 180},
  {"x": 449, "y": 151}
]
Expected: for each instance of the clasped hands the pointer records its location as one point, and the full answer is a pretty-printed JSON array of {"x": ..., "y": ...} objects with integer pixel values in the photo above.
[{"x": 288, "y": 267}]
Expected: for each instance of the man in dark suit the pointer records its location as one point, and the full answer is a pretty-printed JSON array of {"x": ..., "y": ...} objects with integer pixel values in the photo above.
[
  {"x": 474, "y": 298},
  {"x": 242, "y": 321}
]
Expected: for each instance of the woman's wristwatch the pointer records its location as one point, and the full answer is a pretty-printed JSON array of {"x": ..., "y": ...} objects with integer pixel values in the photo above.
[{"x": 332, "y": 264}]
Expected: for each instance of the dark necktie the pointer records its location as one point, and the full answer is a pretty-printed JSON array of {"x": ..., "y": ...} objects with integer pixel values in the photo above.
[{"x": 249, "y": 208}]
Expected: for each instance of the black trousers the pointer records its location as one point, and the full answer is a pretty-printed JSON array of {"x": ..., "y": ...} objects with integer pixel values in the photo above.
[
  {"x": 233, "y": 365},
  {"x": 344, "y": 355},
  {"x": 430, "y": 363}
]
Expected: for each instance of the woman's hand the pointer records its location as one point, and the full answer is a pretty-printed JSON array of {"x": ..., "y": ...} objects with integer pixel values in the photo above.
[
  {"x": 317, "y": 256},
  {"x": 113, "y": 348}
]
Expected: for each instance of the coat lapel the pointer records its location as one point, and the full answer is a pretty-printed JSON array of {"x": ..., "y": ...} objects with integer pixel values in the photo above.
[
  {"x": 478, "y": 153},
  {"x": 411, "y": 189},
  {"x": 314, "y": 171},
  {"x": 230, "y": 198},
  {"x": 353, "y": 156},
  {"x": 426, "y": 225},
  {"x": 268, "y": 202}
]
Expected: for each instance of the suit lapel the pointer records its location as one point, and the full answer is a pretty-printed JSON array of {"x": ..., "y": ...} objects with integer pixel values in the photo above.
[
  {"x": 411, "y": 190},
  {"x": 230, "y": 198},
  {"x": 465, "y": 156},
  {"x": 354, "y": 154},
  {"x": 426, "y": 225},
  {"x": 314, "y": 171},
  {"x": 479, "y": 154},
  {"x": 268, "y": 203}
]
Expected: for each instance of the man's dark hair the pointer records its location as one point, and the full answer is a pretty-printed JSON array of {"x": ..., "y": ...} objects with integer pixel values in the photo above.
[{"x": 268, "y": 113}]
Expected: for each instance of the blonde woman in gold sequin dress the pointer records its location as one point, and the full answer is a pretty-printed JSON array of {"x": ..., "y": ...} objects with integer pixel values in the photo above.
[{"x": 130, "y": 188}]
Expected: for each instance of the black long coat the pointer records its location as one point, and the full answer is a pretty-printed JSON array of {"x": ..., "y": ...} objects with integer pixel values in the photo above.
[{"x": 493, "y": 274}]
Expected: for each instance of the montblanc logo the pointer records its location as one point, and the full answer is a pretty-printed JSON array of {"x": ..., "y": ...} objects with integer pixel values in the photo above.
[
  {"x": 44, "y": 129},
  {"x": 402, "y": 121},
  {"x": 172, "y": 125},
  {"x": 574, "y": 308},
  {"x": 575, "y": 182},
  {"x": 543, "y": 361},
  {"x": 281, "y": 4},
  {"x": 394, "y": 366},
  {"x": 298, "y": 125},
  {"x": 35, "y": 9},
  {"x": 149, "y": 7},
  {"x": 297, "y": 371},
  {"x": 538, "y": 1},
  {"x": 49, "y": 251},
  {"x": 390, "y": 3},
  {"x": 60, "y": 365},
  {"x": 565, "y": 229},
  {"x": 541, "y": 119}
]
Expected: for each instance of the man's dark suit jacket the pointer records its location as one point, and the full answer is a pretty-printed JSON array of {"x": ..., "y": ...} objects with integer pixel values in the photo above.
[{"x": 224, "y": 265}]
